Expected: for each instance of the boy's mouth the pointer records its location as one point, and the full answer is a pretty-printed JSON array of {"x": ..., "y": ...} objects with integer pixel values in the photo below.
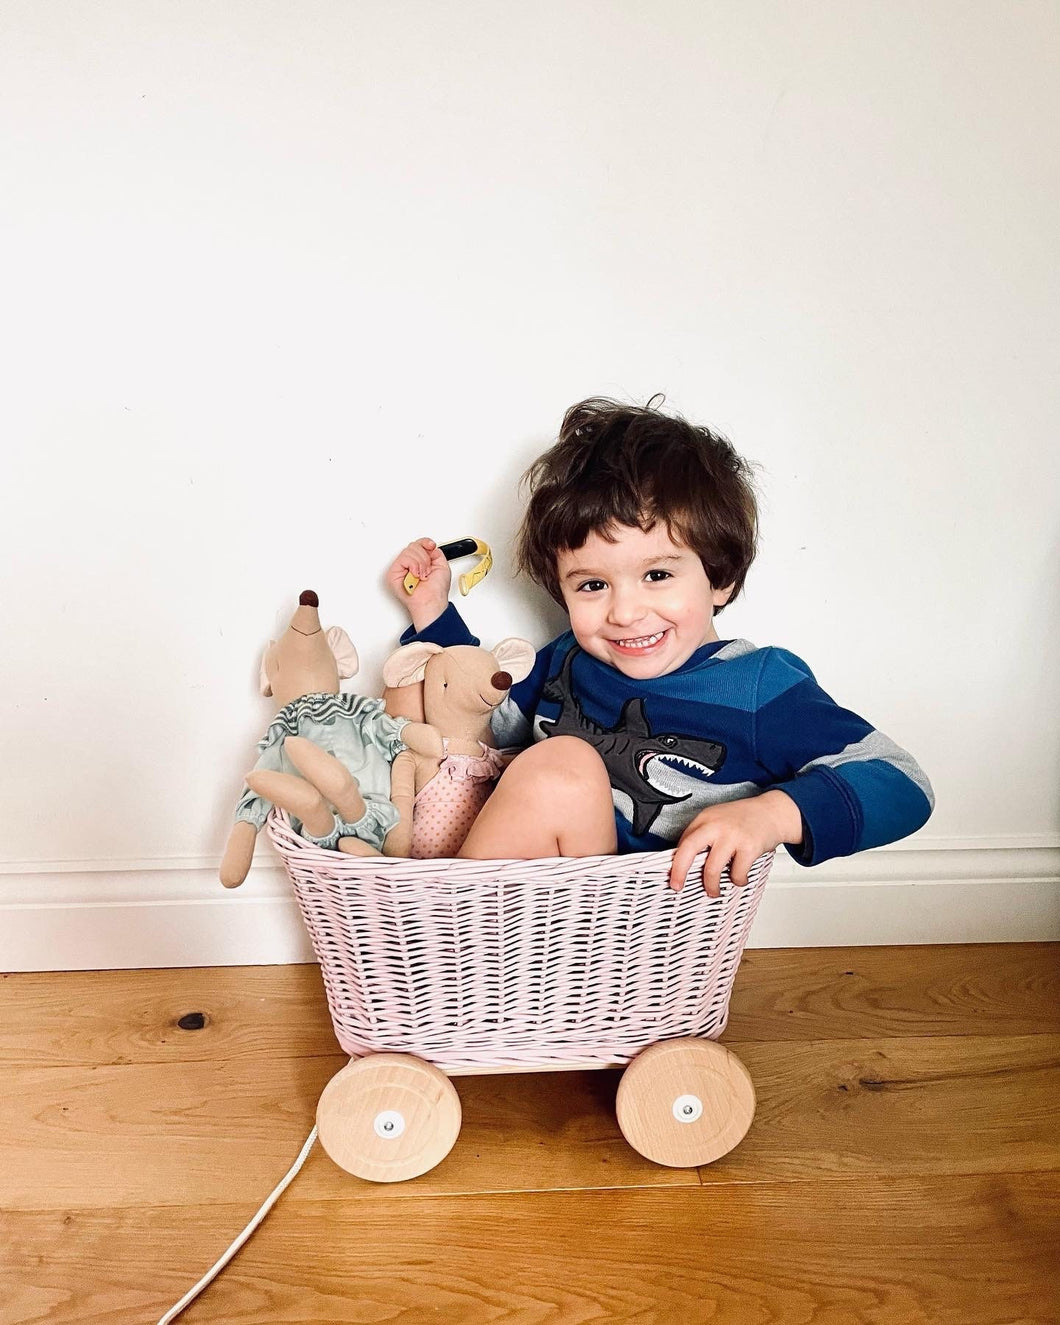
[{"x": 639, "y": 643}]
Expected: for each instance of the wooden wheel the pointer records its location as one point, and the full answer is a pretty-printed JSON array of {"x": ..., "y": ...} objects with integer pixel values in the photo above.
[
  {"x": 388, "y": 1117},
  {"x": 685, "y": 1102}
]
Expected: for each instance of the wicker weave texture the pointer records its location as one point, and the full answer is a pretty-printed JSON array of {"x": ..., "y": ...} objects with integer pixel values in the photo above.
[{"x": 518, "y": 964}]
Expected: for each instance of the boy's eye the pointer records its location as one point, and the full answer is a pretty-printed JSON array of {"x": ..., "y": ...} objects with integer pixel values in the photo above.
[
  {"x": 654, "y": 576},
  {"x": 591, "y": 586}
]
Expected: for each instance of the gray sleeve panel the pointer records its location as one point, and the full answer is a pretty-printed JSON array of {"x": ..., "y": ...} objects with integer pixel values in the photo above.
[
  {"x": 878, "y": 746},
  {"x": 736, "y": 648},
  {"x": 672, "y": 820}
]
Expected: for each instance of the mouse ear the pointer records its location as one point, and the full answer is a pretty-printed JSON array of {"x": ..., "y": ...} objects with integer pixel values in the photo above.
[
  {"x": 345, "y": 654},
  {"x": 516, "y": 656},
  {"x": 407, "y": 665},
  {"x": 264, "y": 684}
]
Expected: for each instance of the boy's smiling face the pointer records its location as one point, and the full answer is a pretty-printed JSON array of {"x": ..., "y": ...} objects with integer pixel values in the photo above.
[{"x": 643, "y": 603}]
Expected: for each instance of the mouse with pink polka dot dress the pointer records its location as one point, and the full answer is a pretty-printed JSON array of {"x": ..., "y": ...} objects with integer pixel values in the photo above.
[
  {"x": 454, "y": 690},
  {"x": 444, "y": 810}
]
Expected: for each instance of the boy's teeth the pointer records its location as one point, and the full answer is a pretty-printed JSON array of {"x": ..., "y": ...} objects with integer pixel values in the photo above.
[{"x": 644, "y": 642}]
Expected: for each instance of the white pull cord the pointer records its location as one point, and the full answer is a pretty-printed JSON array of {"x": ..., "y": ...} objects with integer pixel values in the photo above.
[{"x": 270, "y": 1201}]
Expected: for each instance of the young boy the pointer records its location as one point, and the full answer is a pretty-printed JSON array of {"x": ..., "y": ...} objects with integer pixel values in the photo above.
[{"x": 642, "y": 727}]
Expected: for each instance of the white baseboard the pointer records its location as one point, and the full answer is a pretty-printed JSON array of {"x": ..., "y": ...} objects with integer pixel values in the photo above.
[{"x": 84, "y": 915}]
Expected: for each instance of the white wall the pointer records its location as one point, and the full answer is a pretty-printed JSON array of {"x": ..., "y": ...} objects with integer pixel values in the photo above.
[{"x": 285, "y": 284}]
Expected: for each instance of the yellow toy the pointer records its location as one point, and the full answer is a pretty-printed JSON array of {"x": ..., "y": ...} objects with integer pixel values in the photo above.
[{"x": 462, "y": 547}]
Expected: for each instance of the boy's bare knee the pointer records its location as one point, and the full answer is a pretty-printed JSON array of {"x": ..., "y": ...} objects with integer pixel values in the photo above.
[
  {"x": 563, "y": 750},
  {"x": 553, "y": 800},
  {"x": 561, "y": 761}
]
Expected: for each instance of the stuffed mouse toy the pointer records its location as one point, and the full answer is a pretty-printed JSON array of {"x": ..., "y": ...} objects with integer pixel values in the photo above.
[
  {"x": 438, "y": 796},
  {"x": 326, "y": 757}
]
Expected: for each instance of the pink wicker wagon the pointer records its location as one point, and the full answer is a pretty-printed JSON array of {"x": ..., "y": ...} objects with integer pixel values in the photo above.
[{"x": 437, "y": 969}]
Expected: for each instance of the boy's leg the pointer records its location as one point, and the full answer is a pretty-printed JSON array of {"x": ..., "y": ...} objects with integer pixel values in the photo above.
[{"x": 554, "y": 799}]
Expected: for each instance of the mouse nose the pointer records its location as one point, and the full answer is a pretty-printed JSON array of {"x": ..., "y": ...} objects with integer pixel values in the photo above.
[
  {"x": 501, "y": 681},
  {"x": 307, "y": 598}
]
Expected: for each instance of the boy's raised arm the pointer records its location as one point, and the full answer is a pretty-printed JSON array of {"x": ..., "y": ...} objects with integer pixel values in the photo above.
[
  {"x": 427, "y": 602},
  {"x": 433, "y": 617},
  {"x": 437, "y": 621}
]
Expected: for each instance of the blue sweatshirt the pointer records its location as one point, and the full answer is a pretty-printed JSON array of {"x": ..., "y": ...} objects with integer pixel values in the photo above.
[{"x": 733, "y": 721}]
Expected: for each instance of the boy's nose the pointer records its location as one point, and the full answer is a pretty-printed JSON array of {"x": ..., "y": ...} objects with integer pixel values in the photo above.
[{"x": 625, "y": 608}]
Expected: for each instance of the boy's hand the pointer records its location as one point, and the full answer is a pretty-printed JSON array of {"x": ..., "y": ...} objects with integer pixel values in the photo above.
[
  {"x": 737, "y": 832},
  {"x": 430, "y": 597}
]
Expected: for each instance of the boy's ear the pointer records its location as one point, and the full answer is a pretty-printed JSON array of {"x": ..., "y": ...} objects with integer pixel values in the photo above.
[{"x": 720, "y": 597}]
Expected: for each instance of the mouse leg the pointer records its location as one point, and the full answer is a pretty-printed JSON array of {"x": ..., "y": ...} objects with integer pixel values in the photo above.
[
  {"x": 331, "y": 778},
  {"x": 297, "y": 797}
]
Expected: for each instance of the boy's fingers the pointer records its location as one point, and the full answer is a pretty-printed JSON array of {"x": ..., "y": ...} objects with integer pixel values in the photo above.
[
  {"x": 716, "y": 861},
  {"x": 427, "y": 555},
  {"x": 418, "y": 559},
  {"x": 683, "y": 856},
  {"x": 740, "y": 866},
  {"x": 410, "y": 558}
]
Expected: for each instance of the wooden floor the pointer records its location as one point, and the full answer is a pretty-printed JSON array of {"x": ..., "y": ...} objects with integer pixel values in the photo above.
[{"x": 903, "y": 1166}]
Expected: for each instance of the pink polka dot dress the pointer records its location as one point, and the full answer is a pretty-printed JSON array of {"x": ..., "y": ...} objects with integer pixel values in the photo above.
[{"x": 446, "y": 807}]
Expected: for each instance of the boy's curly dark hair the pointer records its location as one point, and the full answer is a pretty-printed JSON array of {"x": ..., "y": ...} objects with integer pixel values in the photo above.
[{"x": 633, "y": 465}]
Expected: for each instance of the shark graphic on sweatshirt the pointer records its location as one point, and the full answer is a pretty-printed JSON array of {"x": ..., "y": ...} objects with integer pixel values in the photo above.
[{"x": 639, "y": 762}]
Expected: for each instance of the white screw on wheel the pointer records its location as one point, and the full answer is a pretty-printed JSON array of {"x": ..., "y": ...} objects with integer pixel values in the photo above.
[
  {"x": 388, "y": 1117},
  {"x": 685, "y": 1102},
  {"x": 389, "y": 1124},
  {"x": 687, "y": 1108}
]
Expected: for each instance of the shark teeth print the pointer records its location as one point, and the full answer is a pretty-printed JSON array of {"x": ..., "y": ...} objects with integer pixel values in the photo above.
[{"x": 672, "y": 774}]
